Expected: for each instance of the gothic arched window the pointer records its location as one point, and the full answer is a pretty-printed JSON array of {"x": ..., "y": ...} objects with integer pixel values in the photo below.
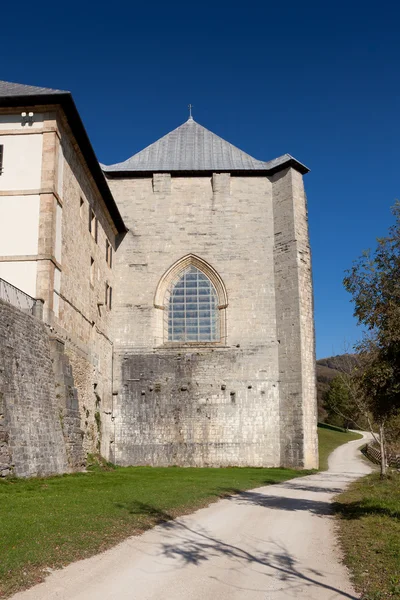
[
  {"x": 193, "y": 312},
  {"x": 191, "y": 302}
]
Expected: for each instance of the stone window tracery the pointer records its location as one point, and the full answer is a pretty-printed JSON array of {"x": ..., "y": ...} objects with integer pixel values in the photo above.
[{"x": 193, "y": 313}]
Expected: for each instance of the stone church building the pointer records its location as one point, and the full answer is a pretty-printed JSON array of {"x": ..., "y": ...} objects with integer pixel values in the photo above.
[{"x": 176, "y": 285}]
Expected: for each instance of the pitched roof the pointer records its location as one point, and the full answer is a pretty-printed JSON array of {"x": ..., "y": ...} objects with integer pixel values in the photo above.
[
  {"x": 8, "y": 89},
  {"x": 20, "y": 95},
  {"x": 191, "y": 147}
]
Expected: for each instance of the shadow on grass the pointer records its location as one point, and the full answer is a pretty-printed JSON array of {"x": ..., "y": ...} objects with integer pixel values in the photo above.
[
  {"x": 317, "y": 507},
  {"x": 359, "y": 509},
  {"x": 142, "y": 509},
  {"x": 193, "y": 545}
]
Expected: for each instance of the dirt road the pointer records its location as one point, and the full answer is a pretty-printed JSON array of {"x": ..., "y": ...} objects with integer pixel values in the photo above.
[{"x": 271, "y": 543}]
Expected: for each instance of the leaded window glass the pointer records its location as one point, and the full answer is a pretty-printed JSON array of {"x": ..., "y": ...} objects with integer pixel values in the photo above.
[{"x": 193, "y": 314}]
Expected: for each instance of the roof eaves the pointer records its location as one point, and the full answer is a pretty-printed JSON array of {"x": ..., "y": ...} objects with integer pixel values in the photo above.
[
  {"x": 270, "y": 168},
  {"x": 283, "y": 162}
]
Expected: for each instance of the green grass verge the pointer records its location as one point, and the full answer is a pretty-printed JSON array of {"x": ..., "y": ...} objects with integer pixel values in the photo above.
[
  {"x": 54, "y": 521},
  {"x": 329, "y": 439},
  {"x": 369, "y": 521},
  {"x": 332, "y": 427}
]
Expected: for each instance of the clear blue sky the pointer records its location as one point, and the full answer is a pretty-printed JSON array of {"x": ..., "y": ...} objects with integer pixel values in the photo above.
[{"x": 319, "y": 80}]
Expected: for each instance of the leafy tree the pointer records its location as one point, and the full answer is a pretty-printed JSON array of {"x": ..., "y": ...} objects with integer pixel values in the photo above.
[
  {"x": 392, "y": 432},
  {"x": 345, "y": 399},
  {"x": 342, "y": 402},
  {"x": 336, "y": 400},
  {"x": 374, "y": 283}
]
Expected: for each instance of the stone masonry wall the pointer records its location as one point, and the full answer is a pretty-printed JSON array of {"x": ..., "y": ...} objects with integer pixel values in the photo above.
[
  {"x": 73, "y": 283},
  {"x": 68, "y": 405},
  {"x": 307, "y": 331},
  {"x": 38, "y": 435},
  {"x": 196, "y": 406},
  {"x": 84, "y": 319},
  {"x": 250, "y": 401},
  {"x": 295, "y": 323}
]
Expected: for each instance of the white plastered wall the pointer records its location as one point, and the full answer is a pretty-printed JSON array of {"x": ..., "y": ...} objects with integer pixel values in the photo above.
[
  {"x": 19, "y": 214},
  {"x": 19, "y": 225},
  {"x": 20, "y": 274},
  {"x": 22, "y": 162}
]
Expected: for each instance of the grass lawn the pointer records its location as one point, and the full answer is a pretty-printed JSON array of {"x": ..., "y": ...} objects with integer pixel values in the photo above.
[
  {"x": 369, "y": 521},
  {"x": 51, "y": 522},
  {"x": 329, "y": 438}
]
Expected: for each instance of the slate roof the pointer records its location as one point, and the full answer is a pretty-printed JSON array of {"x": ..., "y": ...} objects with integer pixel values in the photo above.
[
  {"x": 8, "y": 89},
  {"x": 21, "y": 95},
  {"x": 190, "y": 148}
]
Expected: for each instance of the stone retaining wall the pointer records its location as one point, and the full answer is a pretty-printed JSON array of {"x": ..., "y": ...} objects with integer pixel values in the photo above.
[{"x": 39, "y": 424}]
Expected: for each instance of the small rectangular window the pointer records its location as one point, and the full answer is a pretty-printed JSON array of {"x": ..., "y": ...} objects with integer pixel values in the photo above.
[
  {"x": 81, "y": 207},
  {"x": 91, "y": 271},
  {"x": 108, "y": 254},
  {"x": 108, "y": 296},
  {"x": 93, "y": 225},
  {"x": 1, "y": 158}
]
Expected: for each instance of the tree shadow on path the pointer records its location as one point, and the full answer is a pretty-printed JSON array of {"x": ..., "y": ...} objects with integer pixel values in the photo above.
[
  {"x": 195, "y": 546},
  {"x": 315, "y": 507}
]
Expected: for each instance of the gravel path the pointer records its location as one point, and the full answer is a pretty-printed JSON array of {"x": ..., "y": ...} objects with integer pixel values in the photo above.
[{"x": 271, "y": 543}]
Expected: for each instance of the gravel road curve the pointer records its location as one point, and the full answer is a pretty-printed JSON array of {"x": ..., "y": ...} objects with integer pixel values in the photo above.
[{"x": 271, "y": 543}]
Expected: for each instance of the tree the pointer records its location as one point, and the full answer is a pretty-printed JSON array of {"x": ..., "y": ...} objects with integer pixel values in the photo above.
[
  {"x": 344, "y": 400},
  {"x": 336, "y": 402},
  {"x": 374, "y": 283}
]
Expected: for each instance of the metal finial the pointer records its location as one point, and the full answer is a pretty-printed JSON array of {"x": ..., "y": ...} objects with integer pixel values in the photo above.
[{"x": 190, "y": 106}]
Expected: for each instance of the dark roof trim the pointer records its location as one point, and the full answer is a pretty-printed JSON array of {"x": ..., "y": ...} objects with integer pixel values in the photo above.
[
  {"x": 75, "y": 122},
  {"x": 289, "y": 162},
  {"x": 274, "y": 168}
]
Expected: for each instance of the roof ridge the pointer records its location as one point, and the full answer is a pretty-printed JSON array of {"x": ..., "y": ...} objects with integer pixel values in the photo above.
[{"x": 189, "y": 147}]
